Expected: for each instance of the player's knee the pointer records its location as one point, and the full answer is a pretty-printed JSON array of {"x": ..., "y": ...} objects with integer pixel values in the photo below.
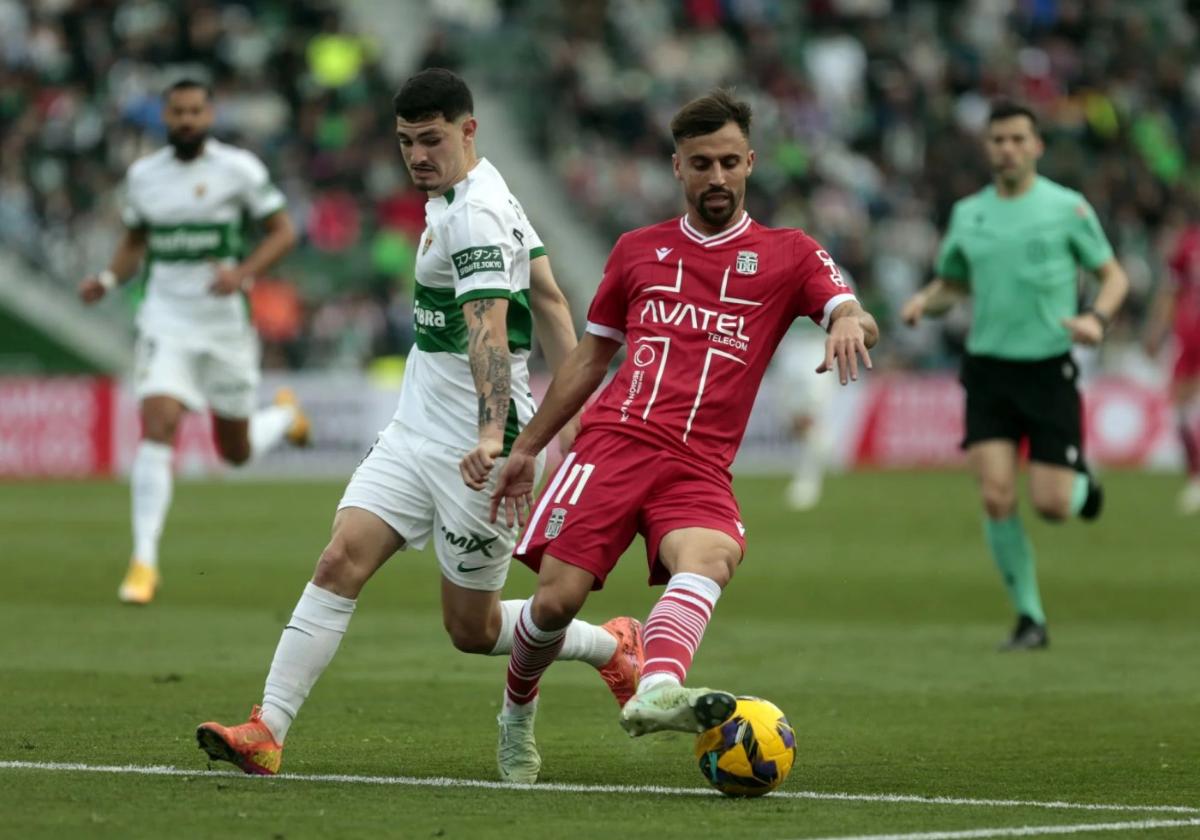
[
  {"x": 469, "y": 637},
  {"x": 339, "y": 571},
  {"x": 1053, "y": 509},
  {"x": 999, "y": 501},
  {"x": 554, "y": 609},
  {"x": 234, "y": 454}
]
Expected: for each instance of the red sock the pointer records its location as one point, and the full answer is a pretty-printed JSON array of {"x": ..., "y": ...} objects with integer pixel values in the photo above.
[
  {"x": 676, "y": 624},
  {"x": 533, "y": 651}
]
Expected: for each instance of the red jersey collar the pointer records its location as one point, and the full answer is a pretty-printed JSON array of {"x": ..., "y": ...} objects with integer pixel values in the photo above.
[{"x": 721, "y": 238}]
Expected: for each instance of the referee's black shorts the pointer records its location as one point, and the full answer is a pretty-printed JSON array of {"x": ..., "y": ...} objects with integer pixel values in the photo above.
[{"x": 1038, "y": 400}]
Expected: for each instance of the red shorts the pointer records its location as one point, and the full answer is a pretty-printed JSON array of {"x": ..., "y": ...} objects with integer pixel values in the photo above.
[
  {"x": 1187, "y": 356},
  {"x": 612, "y": 487}
]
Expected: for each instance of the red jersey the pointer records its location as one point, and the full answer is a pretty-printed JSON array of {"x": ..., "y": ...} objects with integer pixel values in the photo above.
[
  {"x": 701, "y": 317},
  {"x": 1185, "y": 273}
]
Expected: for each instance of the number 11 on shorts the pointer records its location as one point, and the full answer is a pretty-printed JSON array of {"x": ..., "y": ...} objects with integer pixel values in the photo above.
[{"x": 577, "y": 479}]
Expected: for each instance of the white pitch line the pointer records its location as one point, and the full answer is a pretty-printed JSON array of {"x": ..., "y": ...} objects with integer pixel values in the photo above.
[
  {"x": 561, "y": 787},
  {"x": 1023, "y": 831}
]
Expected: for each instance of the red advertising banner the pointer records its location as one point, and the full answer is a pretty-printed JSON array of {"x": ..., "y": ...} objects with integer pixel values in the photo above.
[{"x": 57, "y": 427}]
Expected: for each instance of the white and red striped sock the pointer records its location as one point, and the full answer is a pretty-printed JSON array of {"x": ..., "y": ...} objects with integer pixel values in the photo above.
[
  {"x": 675, "y": 627},
  {"x": 533, "y": 651}
]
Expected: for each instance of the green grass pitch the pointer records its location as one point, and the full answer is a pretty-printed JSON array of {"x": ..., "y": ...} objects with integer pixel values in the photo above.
[{"x": 872, "y": 622}]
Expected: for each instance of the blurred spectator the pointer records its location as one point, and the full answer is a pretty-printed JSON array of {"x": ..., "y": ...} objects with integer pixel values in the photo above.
[{"x": 868, "y": 114}]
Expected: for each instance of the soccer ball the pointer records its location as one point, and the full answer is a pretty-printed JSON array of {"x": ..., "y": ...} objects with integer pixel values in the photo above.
[{"x": 751, "y": 753}]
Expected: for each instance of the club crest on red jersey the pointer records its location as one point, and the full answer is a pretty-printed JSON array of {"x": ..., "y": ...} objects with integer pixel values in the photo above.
[
  {"x": 747, "y": 262},
  {"x": 554, "y": 524}
]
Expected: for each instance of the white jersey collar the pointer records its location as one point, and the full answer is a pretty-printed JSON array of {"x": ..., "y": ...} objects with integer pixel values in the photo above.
[{"x": 720, "y": 238}]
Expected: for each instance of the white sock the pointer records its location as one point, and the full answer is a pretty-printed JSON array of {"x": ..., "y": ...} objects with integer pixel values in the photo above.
[
  {"x": 658, "y": 678},
  {"x": 584, "y": 642},
  {"x": 307, "y": 646},
  {"x": 268, "y": 426},
  {"x": 150, "y": 483}
]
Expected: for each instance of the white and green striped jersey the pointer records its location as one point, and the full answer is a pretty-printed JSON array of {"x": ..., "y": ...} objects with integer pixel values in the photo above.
[
  {"x": 194, "y": 214},
  {"x": 477, "y": 244}
]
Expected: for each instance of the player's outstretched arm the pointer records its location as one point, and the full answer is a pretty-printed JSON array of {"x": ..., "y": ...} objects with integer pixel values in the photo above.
[
  {"x": 852, "y": 331},
  {"x": 576, "y": 379},
  {"x": 491, "y": 368},
  {"x": 1089, "y": 327},
  {"x": 933, "y": 301},
  {"x": 280, "y": 238},
  {"x": 125, "y": 261}
]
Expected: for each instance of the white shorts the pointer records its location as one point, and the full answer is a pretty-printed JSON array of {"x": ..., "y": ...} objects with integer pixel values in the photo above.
[
  {"x": 222, "y": 376},
  {"x": 806, "y": 392},
  {"x": 413, "y": 484}
]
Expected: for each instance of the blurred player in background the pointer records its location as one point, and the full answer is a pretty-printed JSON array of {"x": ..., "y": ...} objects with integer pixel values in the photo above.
[
  {"x": 184, "y": 214},
  {"x": 482, "y": 279},
  {"x": 1016, "y": 248},
  {"x": 1176, "y": 309},
  {"x": 806, "y": 397},
  {"x": 701, "y": 302}
]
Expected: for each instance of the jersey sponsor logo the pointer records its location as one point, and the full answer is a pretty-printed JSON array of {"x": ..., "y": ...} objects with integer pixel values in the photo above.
[
  {"x": 469, "y": 543},
  {"x": 475, "y": 260},
  {"x": 428, "y": 243},
  {"x": 722, "y": 327},
  {"x": 554, "y": 524},
  {"x": 663, "y": 252},
  {"x": 835, "y": 273},
  {"x": 428, "y": 317},
  {"x": 747, "y": 262},
  {"x": 644, "y": 356},
  {"x": 202, "y": 240}
]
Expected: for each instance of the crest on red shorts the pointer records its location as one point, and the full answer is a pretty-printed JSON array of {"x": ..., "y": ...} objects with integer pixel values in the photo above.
[{"x": 555, "y": 523}]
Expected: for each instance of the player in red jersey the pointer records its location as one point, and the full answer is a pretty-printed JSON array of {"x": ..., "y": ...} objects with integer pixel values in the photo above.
[
  {"x": 1177, "y": 307},
  {"x": 701, "y": 302}
]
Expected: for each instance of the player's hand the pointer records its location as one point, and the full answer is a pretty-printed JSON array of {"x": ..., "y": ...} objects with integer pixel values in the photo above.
[
  {"x": 913, "y": 309},
  {"x": 91, "y": 289},
  {"x": 845, "y": 344},
  {"x": 568, "y": 433},
  {"x": 514, "y": 488},
  {"x": 229, "y": 279},
  {"x": 477, "y": 464},
  {"x": 1085, "y": 329}
]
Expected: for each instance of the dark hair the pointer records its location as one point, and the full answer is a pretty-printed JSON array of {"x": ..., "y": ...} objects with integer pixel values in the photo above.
[
  {"x": 1003, "y": 109},
  {"x": 188, "y": 83},
  {"x": 708, "y": 113},
  {"x": 431, "y": 92}
]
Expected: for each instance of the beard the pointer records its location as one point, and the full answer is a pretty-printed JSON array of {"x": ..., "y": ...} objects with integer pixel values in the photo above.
[
  {"x": 716, "y": 217},
  {"x": 187, "y": 146}
]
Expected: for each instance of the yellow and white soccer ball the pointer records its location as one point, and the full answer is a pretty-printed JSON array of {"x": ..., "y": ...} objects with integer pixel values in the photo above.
[{"x": 751, "y": 753}]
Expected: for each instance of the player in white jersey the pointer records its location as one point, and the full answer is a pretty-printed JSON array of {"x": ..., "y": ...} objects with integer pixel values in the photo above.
[
  {"x": 482, "y": 281},
  {"x": 806, "y": 396},
  {"x": 196, "y": 347}
]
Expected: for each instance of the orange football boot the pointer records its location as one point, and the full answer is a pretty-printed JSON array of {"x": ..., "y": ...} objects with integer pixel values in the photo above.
[
  {"x": 622, "y": 672},
  {"x": 249, "y": 745},
  {"x": 300, "y": 432},
  {"x": 140, "y": 583}
]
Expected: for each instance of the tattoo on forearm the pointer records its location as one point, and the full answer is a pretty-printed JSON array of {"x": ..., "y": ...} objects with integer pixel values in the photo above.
[{"x": 490, "y": 366}]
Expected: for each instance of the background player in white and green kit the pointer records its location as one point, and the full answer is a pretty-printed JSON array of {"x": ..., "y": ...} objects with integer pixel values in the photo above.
[
  {"x": 483, "y": 280},
  {"x": 184, "y": 214},
  {"x": 1016, "y": 248}
]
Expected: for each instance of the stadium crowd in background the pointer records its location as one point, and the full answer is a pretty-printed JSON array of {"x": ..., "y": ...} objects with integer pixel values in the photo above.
[
  {"x": 868, "y": 115},
  {"x": 81, "y": 99}
]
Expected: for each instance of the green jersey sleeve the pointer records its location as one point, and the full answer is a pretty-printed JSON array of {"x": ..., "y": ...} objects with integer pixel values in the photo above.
[
  {"x": 951, "y": 262},
  {"x": 1087, "y": 240}
]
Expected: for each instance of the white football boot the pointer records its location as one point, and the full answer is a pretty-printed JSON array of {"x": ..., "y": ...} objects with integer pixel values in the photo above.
[
  {"x": 517, "y": 755},
  {"x": 668, "y": 706}
]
